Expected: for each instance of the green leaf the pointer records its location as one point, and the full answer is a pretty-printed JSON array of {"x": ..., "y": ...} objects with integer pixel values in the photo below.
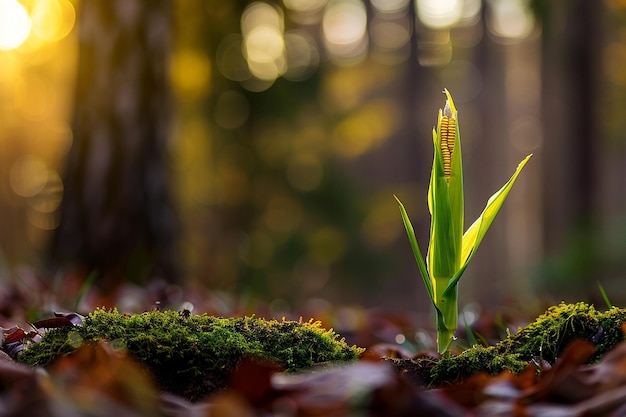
[
  {"x": 416, "y": 250},
  {"x": 471, "y": 336},
  {"x": 476, "y": 232},
  {"x": 442, "y": 257}
]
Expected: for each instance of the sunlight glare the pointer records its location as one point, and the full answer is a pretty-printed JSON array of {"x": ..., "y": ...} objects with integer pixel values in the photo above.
[
  {"x": 14, "y": 24},
  {"x": 53, "y": 20},
  {"x": 439, "y": 14}
]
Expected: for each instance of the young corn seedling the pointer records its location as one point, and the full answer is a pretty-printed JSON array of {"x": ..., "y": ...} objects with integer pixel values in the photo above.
[{"x": 449, "y": 249}]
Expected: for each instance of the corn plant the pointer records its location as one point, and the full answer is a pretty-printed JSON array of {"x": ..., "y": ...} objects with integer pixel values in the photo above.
[{"x": 449, "y": 249}]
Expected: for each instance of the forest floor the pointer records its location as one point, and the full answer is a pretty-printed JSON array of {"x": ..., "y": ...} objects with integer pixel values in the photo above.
[{"x": 576, "y": 371}]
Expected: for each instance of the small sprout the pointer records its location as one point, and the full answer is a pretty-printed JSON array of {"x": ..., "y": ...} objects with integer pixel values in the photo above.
[
  {"x": 605, "y": 297},
  {"x": 449, "y": 249}
]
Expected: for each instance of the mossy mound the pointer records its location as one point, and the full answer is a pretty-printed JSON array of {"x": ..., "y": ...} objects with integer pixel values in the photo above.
[
  {"x": 193, "y": 355},
  {"x": 544, "y": 339}
]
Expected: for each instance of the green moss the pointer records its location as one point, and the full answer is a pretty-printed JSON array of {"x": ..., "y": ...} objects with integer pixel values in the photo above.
[
  {"x": 473, "y": 361},
  {"x": 544, "y": 339},
  {"x": 551, "y": 332},
  {"x": 194, "y": 355}
]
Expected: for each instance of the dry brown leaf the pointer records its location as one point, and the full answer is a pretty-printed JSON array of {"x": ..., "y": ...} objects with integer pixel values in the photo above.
[{"x": 95, "y": 375}]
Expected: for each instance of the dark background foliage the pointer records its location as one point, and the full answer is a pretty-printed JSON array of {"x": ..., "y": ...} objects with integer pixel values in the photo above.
[{"x": 253, "y": 148}]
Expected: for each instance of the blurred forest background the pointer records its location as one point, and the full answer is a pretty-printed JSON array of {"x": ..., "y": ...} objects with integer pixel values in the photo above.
[{"x": 253, "y": 148}]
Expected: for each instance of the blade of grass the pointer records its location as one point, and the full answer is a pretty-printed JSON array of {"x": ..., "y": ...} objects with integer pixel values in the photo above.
[
  {"x": 85, "y": 287},
  {"x": 471, "y": 337},
  {"x": 605, "y": 296}
]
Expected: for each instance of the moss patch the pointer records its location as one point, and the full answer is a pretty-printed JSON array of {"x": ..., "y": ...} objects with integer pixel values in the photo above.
[
  {"x": 194, "y": 355},
  {"x": 543, "y": 339}
]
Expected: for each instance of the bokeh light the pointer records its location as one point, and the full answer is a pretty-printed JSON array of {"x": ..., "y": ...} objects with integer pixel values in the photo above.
[
  {"x": 305, "y": 172},
  {"x": 259, "y": 14},
  {"x": 28, "y": 176},
  {"x": 264, "y": 50},
  {"x": 53, "y": 19},
  {"x": 390, "y": 6},
  {"x": 302, "y": 55},
  {"x": 470, "y": 12},
  {"x": 434, "y": 48},
  {"x": 305, "y": 12},
  {"x": 345, "y": 28},
  {"x": 190, "y": 73},
  {"x": 439, "y": 14},
  {"x": 390, "y": 34},
  {"x": 15, "y": 24},
  {"x": 366, "y": 129},
  {"x": 510, "y": 19},
  {"x": 230, "y": 59},
  {"x": 36, "y": 80},
  {"x": 306, "y": 6},
  {"x": 391, "y": 37},
  {"x": 263, "y": 45}
]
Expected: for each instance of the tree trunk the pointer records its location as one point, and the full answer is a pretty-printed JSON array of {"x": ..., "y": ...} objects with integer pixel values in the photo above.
[{"x": 116, "y": 216}]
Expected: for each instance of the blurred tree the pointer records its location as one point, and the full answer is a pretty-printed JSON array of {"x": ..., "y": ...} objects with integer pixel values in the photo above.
[
  {"x": 572, "y": 41},
  {"x": 116, "y": 215},
  {"x": 571, "y": 52}
]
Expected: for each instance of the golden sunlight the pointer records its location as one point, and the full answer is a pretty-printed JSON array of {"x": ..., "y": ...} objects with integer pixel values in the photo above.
[
  {"x": 53, "y": 20},
  {"x": 14, "y": 24}
]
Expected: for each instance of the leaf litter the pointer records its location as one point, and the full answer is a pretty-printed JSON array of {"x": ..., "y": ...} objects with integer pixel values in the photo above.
[{"x": 99, "y": 380}]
